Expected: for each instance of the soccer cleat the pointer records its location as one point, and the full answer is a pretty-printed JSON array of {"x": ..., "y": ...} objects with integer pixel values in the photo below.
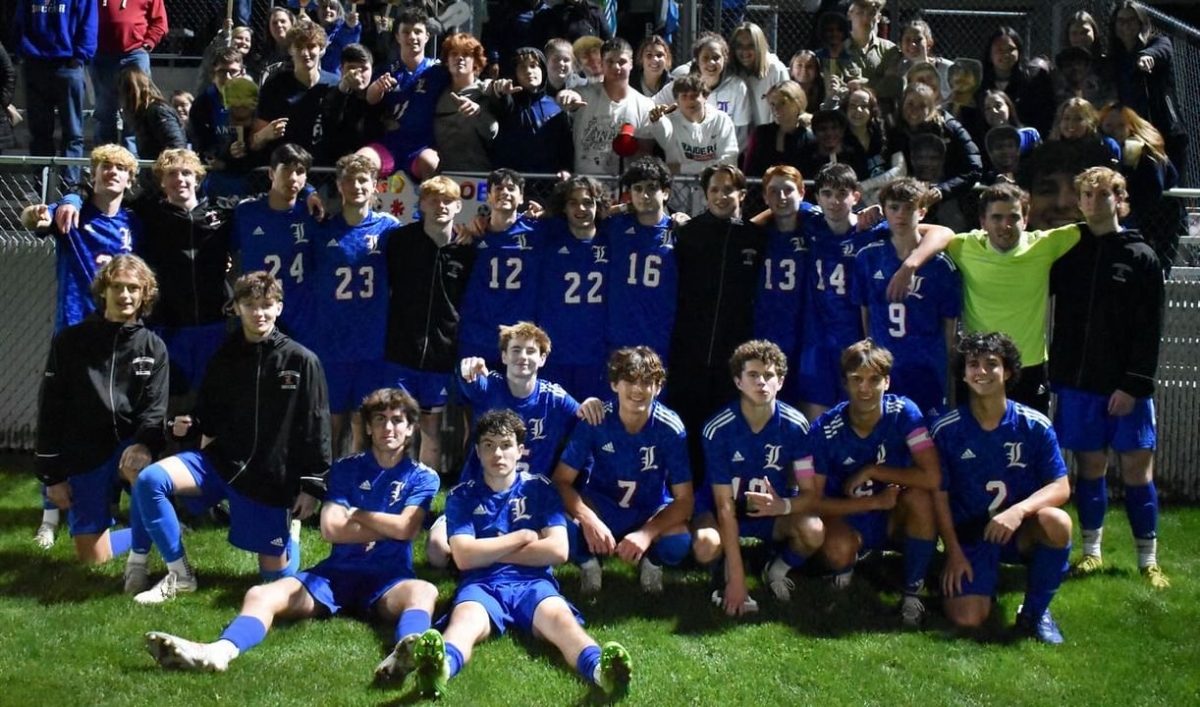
[
  {"x": 650, "y": 576},
  {"x": 590, "y": 577},
  {"x": 166, "y": 589},
  {"x": 1156, "y": 577},
  {"x": 429, "y": 663},
  {"x": 399, "y": 662},
  {"x": 616, "y": 669},
  {"x": 749, "y": 606},
  {"x": 775, "y": 576},
  {"x": 175, "y": 652},
  {"x": 137, "y": 577},
  {"x": 1043, "y": 628},
  {"x": 912, "y": 611},
  {"x": 1088, "y": 564},
  {"x": 44, "y": 537}
]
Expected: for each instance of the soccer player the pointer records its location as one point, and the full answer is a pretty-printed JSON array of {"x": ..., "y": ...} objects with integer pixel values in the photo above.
[
  {"x": 102, "y": 404},
  {"x": 572, "y": 301},
  {"x": 503, "y": 289},
  {"x": 507, "y": 530},
  {"x": 920, "y": 330},
  {"x": 1108, "y": 321},
  {"x": 877, "y": 470},
  {"x": 642, "y": 291},
  {"x": 428, "y": 266},
  {"x": 350, "y": 287},
  {"x": 1003, "y": 481},
  {"x": 636, "y": 500},
  {"x": 752, "y": 445},
  {"x": 275, "y": 233},
  {"x": 696, "y": 135},
  {"x": 374, "y": 508},
  {"x": 263, "y": 416}
]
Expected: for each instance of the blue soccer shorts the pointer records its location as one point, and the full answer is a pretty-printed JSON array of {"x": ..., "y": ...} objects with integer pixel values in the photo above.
[
  {"x": 253, "y": 526},
  {"x": 353, "y": 590},
  {"x": 1084, "y": 425},
  {"x": 511, "y": 603}
]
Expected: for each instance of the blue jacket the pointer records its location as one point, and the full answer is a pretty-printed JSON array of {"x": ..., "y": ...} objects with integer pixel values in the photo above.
[{"x": 57, "y": 29}]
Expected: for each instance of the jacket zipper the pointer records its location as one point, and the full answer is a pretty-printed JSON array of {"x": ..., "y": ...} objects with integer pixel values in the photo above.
[
  {"x": 437, "y": 266},
  {"x": 257, "y": 390},
  {"x": 712, "y": 337},
  {"x": 1087, "y": 327},
  {"x": 195, "y": 287},
  {"x": 112, "y": 374}
]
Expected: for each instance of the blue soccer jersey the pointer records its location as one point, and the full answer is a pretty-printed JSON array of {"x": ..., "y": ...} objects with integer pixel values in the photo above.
[
  {"x": 631, "y": 471},
  {"x": 986, "y": 471},
  {"x": 831, "y": 318},
  {"x": 548, "y": 414},
  {"x": 913, "y": 330},
  {"x": 81, "y": 253},
  {"x": 359, "y": 481},
  {"x": 475, "y": 510},
  {"x": 838, "y": 452},
  {"x": 502, "y": 287},
  {"x": 642, "y": 284},
  {"x": 573, "y": 306},
  {"x": 351, "y": 288},
  {"x": 408, "y": 109},
  {"x": 745, "y": 460},
  {"x": 780, "y": 297},
  {"x": 281, "y": 242}
]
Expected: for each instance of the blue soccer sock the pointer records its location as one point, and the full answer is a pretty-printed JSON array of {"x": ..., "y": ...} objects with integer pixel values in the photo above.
[
  {"x": 1091, "y": 499},
  {"x": 792, "y": 558},
  {"x": 50, "y": 512},
  {"x": 454, "y": 659},
  {"x": 1046, "y": 570},
  {"x": 412, "y": 621},
  {"x": 140, "y": 541},
  {"x": 152, "y": 493},
  {"x": 293, "y": 551},
  {"x": 587, "y": 662},
  {"x": 119, "y": 541},
  {"x": 917, "y": 554},
  {"x": 670, "y": 550},
  {"x": 244, "y": 632},
  {"x": 1141, "y": 505}
]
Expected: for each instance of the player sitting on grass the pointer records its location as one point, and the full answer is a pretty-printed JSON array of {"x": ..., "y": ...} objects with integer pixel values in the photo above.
[
  {"x": 751, "y": 446},
  {"x": 636, "y": 500},
  {"x": 376, "y": 503},
  {"x": 507, "y": 530},
  {"x": 878, "y": 469},
  {"x": 1002, "y": 484}
]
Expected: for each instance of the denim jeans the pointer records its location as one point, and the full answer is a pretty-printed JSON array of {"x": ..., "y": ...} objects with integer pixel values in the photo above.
[
  {"x": 106, "y": 69},
  {"x": 51, "y": 85}
]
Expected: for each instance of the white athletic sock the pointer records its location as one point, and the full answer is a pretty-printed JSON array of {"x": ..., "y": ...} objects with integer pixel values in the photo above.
[
  {"x": 1147, "y": 551},
  {"x": 180, "y": 567},
  {"x": 136, "y": 558},
  {"x": 1091, "y": 541},
  {"x": 226, "y": 647},
  {"x": 50, "y": 516}
]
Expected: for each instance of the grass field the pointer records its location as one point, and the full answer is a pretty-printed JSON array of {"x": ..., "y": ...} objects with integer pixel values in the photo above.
[{"x": 68, "y": 637}]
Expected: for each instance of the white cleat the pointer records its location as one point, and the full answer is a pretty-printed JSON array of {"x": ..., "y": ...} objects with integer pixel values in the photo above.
[
  {"x": 775, "y": 576},
  {"x": 137, "y": 577},
  {"x": 591, "y": 576},
  {"x": 166, "y": 589},
  {"x": 44, "y": 537},
  {"x": 175, "y": 652},
  {"x": 399, "y": 663},
  {"x": 912, "y": 611}
]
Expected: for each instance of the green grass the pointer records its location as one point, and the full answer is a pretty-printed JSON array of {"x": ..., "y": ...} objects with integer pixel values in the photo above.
[{"x": 68, "y": 637}]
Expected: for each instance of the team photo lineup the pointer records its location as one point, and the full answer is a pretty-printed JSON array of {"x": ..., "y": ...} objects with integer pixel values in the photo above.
[{"x": 724, "y": 314}]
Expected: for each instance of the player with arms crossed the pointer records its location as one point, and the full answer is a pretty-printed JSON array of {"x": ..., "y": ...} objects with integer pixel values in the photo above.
[
  {"x": 507, "y": 530},
  {"x": 751, "y": 447},
  {"x": 375, "y": 505},
  {"x": 1003, "y": 483},
  {"x": 636, "y": 500}
]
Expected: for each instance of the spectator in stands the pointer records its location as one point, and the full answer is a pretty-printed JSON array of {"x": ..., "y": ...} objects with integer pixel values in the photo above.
[
  {"x": 212, "y": 135},
  {"x": 534, "y": 133},
  {"x": 272, "y": 54},
  {"x": 341, "y": 28},
  {"x": 569, "y": 20},
  {"x": 587, "y": 57},
  {"x": 1083, "y": 32},
  {"x": 782, "y": 140},
  {"x": 182, "y": 102},
  {"x": 349, "y": 122},
  {"x": 305, "y": 10},
  {"x": 653, "y": 70},
  {"x": 56, "y": 40},
  {"x": 509, "y": 27},
  {"x": 1078, "y": 75},
  {"x": 289, "y": 102},
  {"x": 805, "y": 69},
  {"x": 1003, "y": 151},
  {"x": 997, "y": 110},
  {"x": 8, "y": 85},
  {"x": 920, "y": 114},
  {"x": 834, "y": 54},
  {"x": 692, "y": 134},
  {"x": 153, "y": 121},
  {"x": 1005, "y": 68},
  {"x": 1077, "y": 124},
  {"x": 868, "y": 51},
  {"x": 754, "y": 62},
  {"x": 916, "y": 43},
  {"x": 1143, "y": 68},
  {"x": 867, "y": 129},
  {"x": 126, "y": 33},
  {"x": 727, "y": 90},
  {"x": 832, "y": 143},
  {"x": 463, "y": 128}
]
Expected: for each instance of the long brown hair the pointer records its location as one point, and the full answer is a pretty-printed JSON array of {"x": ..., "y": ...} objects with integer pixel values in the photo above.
[{"x": 138, "y": 91}]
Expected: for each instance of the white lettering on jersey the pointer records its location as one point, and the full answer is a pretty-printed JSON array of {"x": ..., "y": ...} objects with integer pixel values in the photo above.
[
  {"x": 1013, "y": 449},
  {"x": 649, "y": 463},
  {"x": 518, "y": 509},
  {"x": 772, "y": 456},
  {"x": 394, "y": 493}
]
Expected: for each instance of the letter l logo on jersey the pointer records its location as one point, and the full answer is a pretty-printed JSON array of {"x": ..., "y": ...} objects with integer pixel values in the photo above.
[
  {"x": 772, "y": 456},
  {"x": 649, "y": 463},
  {"x": 1013, "y": 449}
]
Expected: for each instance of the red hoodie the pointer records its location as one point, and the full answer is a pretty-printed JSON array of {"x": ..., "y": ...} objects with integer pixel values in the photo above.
[{"x": 126, "y": 25}]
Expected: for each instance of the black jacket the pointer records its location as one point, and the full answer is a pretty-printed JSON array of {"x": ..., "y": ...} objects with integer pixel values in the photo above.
[
  {"x": 105, "y": 384},
  {"x": 1108, "y": 315},
  {"x": 157, "y": 129},
  {"x": 266, "y": 407},
  {"x": 427, "y": 285},
  {"x": 719, "y": 263}
]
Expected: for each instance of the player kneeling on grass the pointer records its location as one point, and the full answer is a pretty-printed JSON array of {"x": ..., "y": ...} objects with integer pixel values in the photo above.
[
  {"x": 752, "y": 446},
  {"x": 506, "y": 531},
  {"x": 102, "y": 405},
  {"x": 636, "y": 500},
  {"x": 1002, "y": 484},
  {"x": 878, "y": 469},
  {"x": 375, "y": 505},
  {"x": 263, "y": 416}
]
